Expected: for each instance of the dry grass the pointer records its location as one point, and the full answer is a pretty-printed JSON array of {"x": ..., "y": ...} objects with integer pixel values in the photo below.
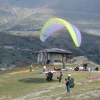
[{"x": 33, "y": 86}]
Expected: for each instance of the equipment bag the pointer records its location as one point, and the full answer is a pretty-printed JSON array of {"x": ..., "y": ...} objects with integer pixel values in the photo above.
[{"x": 72, "y": 83}]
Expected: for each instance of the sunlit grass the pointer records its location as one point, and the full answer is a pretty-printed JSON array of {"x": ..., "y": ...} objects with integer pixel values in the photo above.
[{"x": 20, "y": 84}]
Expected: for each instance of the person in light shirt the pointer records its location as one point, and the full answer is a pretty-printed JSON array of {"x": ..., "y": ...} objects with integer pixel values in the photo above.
[{"x": 44, "y": 68}]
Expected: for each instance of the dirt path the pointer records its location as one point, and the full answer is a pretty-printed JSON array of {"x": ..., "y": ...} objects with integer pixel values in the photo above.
[
  {"x": 36, "y": 95},
  {"x": 87, "y": 95},
  {"x": 33, "y": 96}
]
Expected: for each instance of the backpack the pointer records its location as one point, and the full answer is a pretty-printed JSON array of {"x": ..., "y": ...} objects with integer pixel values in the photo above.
[{"x": 72, "y": 83}]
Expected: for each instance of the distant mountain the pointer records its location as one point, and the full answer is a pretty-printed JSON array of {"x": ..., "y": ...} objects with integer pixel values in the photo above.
[
  {"x": 20, "y": 47},
  {"x": 26, "y": 15}
]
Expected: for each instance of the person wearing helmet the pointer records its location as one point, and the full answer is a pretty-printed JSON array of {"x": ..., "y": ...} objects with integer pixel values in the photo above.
[{"x": 68, "y": 83}]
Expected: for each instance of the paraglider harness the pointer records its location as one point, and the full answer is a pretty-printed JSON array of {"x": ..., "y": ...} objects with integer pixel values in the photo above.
[
  {"x": 71, "y": 83},
  {"x": 49, "y": 76},
  {"x": 76, "y": 69}
]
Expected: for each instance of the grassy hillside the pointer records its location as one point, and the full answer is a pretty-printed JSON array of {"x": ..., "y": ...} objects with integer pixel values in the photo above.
[{"x": 20, "y": 84}]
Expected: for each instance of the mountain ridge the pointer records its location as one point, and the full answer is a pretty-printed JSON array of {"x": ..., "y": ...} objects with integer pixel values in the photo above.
[
  {"x": 33, "y": 14},
  {"x": 21, "y": 45}
]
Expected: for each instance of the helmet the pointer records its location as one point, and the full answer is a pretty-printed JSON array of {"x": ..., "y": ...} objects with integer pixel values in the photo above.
[{"x": 69, "y": 75}]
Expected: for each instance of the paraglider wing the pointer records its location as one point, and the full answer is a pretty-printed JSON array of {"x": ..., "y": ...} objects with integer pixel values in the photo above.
[
  {"x": 49, "y": 28},
  {"x": 78, "y": 34},
  {"x": 55, "y": 24}
]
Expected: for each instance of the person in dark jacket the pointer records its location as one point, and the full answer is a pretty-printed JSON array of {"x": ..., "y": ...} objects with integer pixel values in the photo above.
[
  {"x": 60, "y": 76},
  {"x": 49, "y": 76},
  {"x": 68, "y": 83}
]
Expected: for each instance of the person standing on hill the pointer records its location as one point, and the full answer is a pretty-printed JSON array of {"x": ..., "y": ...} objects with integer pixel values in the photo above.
[
  {"x": 60, "y": 76},
  {"x": 68, "y": 80},
  {"x": 30, "y": 68},
  {"x": 44, "y": 68}
]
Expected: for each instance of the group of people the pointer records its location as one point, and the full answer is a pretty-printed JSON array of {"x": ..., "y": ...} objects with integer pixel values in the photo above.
[
  {"x": 69, "y": 81},
  {"x": 84, "y": 67}
]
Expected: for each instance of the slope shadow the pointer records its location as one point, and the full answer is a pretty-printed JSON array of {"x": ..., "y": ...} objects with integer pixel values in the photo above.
[{"x": 35, "y": 80}]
